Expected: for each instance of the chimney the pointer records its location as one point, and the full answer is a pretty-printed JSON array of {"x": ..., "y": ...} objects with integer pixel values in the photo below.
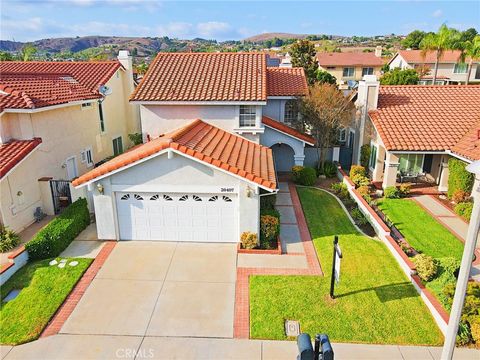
[
  {"x": 125, "y": 59},
  {"x": 378, "y": 51},
  {"x": 368, "y": 93}
]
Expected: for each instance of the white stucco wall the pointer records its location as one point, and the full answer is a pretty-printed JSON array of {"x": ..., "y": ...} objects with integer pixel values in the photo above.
[
  {"x": 271, "y": 137},
  {"x": 178, "y": 174}
]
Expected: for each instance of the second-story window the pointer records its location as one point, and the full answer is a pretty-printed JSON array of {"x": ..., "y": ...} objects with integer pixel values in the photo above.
[
  {"x": 102, "y": 120},
  {"x": 367, "y": 71},
  {"x": 248, "y": 115},
  {"x": 291, "y": 112},
  {"x": 348, "y": 71},
  {"x": 117, "y": 146},
  {"x": 460, "y": 68}
]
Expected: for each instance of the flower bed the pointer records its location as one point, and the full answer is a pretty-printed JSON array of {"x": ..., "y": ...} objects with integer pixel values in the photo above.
[{"x": 274, "y": 250}]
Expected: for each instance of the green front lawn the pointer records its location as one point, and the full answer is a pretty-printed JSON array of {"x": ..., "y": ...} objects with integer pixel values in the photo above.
[
  {"x": 420, "y": 229},
  {"x": 44, "y": 288},
  {"x": 375, "y": 303}
]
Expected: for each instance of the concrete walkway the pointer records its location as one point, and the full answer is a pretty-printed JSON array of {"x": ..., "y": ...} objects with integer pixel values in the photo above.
[
  {"x": 452, "y": 222},
  {"x": 90, "y": 347}
]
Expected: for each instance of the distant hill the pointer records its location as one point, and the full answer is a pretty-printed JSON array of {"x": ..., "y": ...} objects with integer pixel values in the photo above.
[{"x": 270, "y": 36}]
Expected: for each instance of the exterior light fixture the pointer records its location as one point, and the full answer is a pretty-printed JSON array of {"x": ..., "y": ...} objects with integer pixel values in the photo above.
[
  {"x": 100, "y": 188},
  {"x": 249, "y": 191}
]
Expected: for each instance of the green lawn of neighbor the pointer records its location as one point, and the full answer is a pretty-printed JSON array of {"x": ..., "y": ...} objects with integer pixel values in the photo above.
[
  {"x": 420, "y": 229},
  {"x": 44, "y": 288},
  {"x": 375, "y": 301}
]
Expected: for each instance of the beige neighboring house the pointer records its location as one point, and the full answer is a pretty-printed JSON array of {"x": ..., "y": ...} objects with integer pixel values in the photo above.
[
  {"x": 450, "y": 69},
  {"x": 58, "y": 120},
  {"x": 351, "y": 66}
]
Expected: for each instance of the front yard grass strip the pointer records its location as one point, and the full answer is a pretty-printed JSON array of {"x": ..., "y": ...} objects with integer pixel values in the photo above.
[
  {"x": 375, "y": 303},
  {"x": 420, "y": 229},
  {"x": 44, "y": 288}
]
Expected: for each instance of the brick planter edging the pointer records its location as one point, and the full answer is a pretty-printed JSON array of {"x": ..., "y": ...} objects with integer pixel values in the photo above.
[
  {"x": 277, "y": 251},
  {"x": 66, "y": 309}
]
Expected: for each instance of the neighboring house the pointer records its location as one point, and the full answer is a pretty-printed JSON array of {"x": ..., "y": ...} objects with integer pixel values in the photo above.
[
  {"x": 450, "y": 69},
  {"x": 215, "y": 130},
  {"x": 351, "y": 66},
  {"x": 55, "y": 124},
  {"x": 414, "y": 130}
]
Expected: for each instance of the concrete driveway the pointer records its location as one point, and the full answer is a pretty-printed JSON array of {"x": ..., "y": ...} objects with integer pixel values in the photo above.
[{"x": 160, "y": 289}]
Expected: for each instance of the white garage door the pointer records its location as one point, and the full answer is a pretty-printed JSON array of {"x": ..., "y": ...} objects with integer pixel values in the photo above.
[{"x": 177, "y": 217}]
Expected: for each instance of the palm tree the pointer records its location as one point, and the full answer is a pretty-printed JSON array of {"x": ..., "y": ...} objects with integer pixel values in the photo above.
[
  {"x": 470, "y": 50},
  {"x": 445, "y": 39}
]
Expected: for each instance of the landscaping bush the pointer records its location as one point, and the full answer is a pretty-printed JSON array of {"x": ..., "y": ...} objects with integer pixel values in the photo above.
[
  {"x": 305, "y": 176},
  {"x": 458, "y": 177},
  {"x": 268, "y": 201},
  {"x": 392, "y": 192},
  {"x": 404, "y": 190},
  {"x": 358, "y": 217},
  {"x": 426, "y": 267},
  {"x": 360, "y": 180},
  {"x": 249, "y": 240},
  {"x": 460, "y": 196},
  {"x": 329, "y": 169},
  {"x": 269, "y": 228},
  {"x": 60, "y": 232},
  {"x": 340, "y": 189},
  {"x": 270, "y": 212},
  {"x": 8, "y": 239},
  {"x": 475, "y": 329},
  {"x": 296, "y": 173},
  {"x": 364, "y": 191},
  {"x": 464, "y": 336},
  {"x": 464, "y": 209},
  {"x": 365, "y": 155},
  {"x": 357, "y": 170}
]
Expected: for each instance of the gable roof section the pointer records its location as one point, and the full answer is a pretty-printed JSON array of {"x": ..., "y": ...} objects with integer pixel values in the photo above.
[
  {"x": 416, "y": 57},
  {"x": 288, "y": 130},
  {"x": 208, "y": 144},
  {"x": 204, "y": 77},
  {"x": 469, "y": 145},
  {"x": 14, "y": 151},
  {"x": 36, "y": 84},
  {"x": 349, "y": 59},
  {"x": 286, "y": 82},
  {"x": 425, "y": 118}
]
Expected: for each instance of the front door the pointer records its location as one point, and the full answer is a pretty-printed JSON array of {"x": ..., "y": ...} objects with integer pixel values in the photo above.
[
  {"x": 346, "y": 152},
  {"x": 71, "y": 165}
]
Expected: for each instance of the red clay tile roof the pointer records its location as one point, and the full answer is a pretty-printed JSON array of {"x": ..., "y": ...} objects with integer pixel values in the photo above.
[
  {"x": 469, "y": 144},
  {"x": 207, "y": 143},
  {"x": 36, "y": 84},
  {"x": 286, "y": 82},
  {"x": 14, "y": 151},
  {"x": 349, "y": 59},
  {"x": 204, "y": 77},
  {"x": 416, "y": 57},
  {"x": 288, "y": 130},
  {"x": 430, "y": 118}
]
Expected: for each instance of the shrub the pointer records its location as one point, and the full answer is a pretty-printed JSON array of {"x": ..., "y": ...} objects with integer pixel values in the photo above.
[
  {"x": 136, "y": 138},
  {"x": 269, "y": 228},
  {"x": 268, "y": 201},
  {"x": 60, "y": 232},
  {"x": 449, "y": 265},
  {"x": 458, "y": 177},
  {"x": 270, "y": 212},
  {"x": 464, "y": 336},
  {"x": 365, "y": 155},
  {"x": 8, "y": 239},
  {"x": 357, "y": 170},
  {"x": 296, "y": 173},
  {"x": 426, "y": 267},
  {"x": 360, "y": 180},
  {"x": 460, "y": 196},
  {"x": 464, "y": 209},
  {"x": 340, "y": 189},
  {"x": 404, "y": 190},
  {"x": 249, "y": 240},
  {"x": 392, "y": 192},
  {"x": 306, "y": 176},
  {"x": 329, "y": 169},
  {"x": 364, "y": 191},
  {"x": 358, "y": 217},
  {"x": 475, "y": 329}
]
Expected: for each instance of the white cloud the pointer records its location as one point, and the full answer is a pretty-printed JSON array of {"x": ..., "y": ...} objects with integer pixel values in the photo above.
[
  {"x": 437, "y": 13},
  {"x": 213, "y": 29},
  {"x": 175, "y": 29}
]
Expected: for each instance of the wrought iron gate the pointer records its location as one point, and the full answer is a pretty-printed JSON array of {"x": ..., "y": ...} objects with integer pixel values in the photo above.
[{"x": 60, "y": 194}]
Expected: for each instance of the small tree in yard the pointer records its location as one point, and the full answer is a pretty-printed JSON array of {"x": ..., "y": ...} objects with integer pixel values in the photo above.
[
  {"x": 304, "y": 55},
  {"x": 325, "y": 77},
  {"x": 323, "y": 111}
]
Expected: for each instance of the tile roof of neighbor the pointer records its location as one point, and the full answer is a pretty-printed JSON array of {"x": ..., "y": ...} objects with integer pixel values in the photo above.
[
  {"x": 430, "y": 118},
  {"x": 415, "y": 56},
  {"x": 286, "y": 82},
  {"x": 207, "y": 143},
  {"x": 35, "y": 84},
  {"x": 14, "y": 151},
  {"x": 469, "y": 145},
  {"x": 288, "y": 130},
  {"x": 349, "y": 59}
]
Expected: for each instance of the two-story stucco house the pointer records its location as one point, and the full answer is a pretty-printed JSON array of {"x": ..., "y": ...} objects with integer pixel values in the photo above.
[
  {"x": 215, "y": 128},
  {"x": 450, "y": 68},
  {"x": 57, "y": 120}
]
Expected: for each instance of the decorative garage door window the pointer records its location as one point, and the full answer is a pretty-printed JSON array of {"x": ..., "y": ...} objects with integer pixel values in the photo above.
[
  {"x": 227, "y": 199},
  {"x": 213, "y": 198},
  {"x": 183, "y": 198},
  {"x": 155, "y": 197},
  {"x": 137, "y": 197},
  {"x": 125, "y": 197}
]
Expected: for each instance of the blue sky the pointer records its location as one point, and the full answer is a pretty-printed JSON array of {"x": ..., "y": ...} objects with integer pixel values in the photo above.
[{"x": 26, "y": 20}]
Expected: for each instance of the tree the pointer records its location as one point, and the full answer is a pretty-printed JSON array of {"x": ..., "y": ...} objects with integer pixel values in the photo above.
[
  {"x": 27, "y": 52},
  {"x": 413, "y": 40},
  {"x": 304, "y": 55},
  {"x": 400, "y": 77},
  {"x": 469, "y": 35},
  {"x": 141, "y": 68},
  {"x": 445, "y": 39},
  {"x": 323, "y": 111},
  {"x": 5, "y": 56},
  {"x": 470, "y": 50},
  {"x": 324, "y": 77}
]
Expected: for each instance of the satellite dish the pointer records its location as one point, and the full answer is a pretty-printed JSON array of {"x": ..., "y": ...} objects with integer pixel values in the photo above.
[{"x": 104, "y": 90}]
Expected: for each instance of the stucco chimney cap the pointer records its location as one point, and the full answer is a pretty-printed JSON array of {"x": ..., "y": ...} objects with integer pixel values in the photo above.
[{"x": 123, "y": 54}]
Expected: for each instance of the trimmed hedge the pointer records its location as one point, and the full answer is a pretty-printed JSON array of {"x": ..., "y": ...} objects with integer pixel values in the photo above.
[
  {"x": 458, "y": 177},
  {"x": 60, "y": 232},
  {"x": 306, "y": 176}
]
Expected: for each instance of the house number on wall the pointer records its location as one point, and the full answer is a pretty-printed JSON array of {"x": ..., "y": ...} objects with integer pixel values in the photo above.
[{"x": 227, "y": 190}]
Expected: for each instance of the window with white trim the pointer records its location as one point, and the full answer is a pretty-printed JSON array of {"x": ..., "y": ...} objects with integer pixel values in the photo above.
[
  {"x": 373, "y": 156},
  {"x": 291, "y": 112},
  {"x": 86, "y": 156},
  {"x": 247, "y": 116},
  {"x": 117, "y": 146},
  {"x": 86, "y": 106},
  {"x": 348, "y": 72},
  {"x": 410, "y": 163},
  {"x": 342, "y": 134},
  {"x": 460, "y": 68},
  {"x": 367, "y": 71}
]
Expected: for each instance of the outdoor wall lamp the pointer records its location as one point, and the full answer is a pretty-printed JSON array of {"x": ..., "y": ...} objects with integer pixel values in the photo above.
[
  {"x": 249, "y": 191},
  {"x": 100, "y": 188}
]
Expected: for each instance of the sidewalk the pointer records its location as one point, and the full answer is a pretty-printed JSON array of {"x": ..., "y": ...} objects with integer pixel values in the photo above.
[{"x": 452, "y": 222}]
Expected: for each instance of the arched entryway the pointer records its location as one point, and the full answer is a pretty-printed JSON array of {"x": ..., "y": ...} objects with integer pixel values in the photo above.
[{"x": 284, "y": 157}]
